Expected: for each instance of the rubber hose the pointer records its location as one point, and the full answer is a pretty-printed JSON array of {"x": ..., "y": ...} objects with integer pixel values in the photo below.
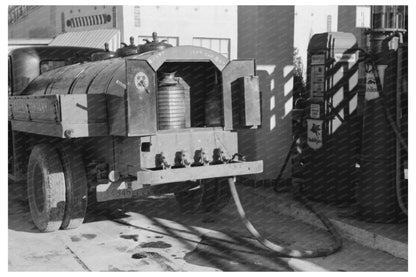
[
  {"x": 285, "y": 251},
  {"x": 393, "y": 125},
  {"x": 386, "y": 112}
]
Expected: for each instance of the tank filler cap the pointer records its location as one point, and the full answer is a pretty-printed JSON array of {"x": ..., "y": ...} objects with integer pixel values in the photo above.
[
  {"x": 127, "y": 50},
  {"x": 103, "y": 55},
  {"x": 154, "y": 45}
]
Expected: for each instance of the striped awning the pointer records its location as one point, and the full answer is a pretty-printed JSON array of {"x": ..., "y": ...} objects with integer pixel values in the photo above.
[{"x": 93, "y": 38}]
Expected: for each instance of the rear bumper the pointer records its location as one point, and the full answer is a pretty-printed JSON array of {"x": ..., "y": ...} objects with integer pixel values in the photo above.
[
  {"x": 158, "y": 177},
  {"x": 148, "y": 178}
]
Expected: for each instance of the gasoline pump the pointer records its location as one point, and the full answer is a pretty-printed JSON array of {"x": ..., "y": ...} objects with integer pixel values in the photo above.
[
  {"x": 352, "y": 144},
  {"x": 332, "y": 121},
  {"x": 382, "y": 192}
]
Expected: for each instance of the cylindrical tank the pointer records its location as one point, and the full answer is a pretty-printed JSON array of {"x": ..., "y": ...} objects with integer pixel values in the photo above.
[{"x": 171, "y": 103}]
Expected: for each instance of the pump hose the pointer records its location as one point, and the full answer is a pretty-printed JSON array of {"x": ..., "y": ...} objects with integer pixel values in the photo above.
[
  {"x": 368, "y": 57},
  {"x": 396, "y": 131},
  {"x": 288, "y": 252},
  {"x": 386, "y": 112}
]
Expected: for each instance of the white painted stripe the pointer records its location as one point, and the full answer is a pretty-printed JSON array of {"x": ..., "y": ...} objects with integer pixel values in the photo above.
[
  {"x": 269, "y": 68},
  {"x": 288, "y": 87},
  {"x": 287, "y": 70}
]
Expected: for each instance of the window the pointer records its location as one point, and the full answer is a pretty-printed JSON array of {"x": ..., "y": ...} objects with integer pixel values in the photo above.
[
  {"x": 49, "y": 65},
  {"x": 136, "y": 16},
  {"x": 329, "y": 23},
  {"x": 171, "y": 40},
  {"x": 220, "y": 45}
]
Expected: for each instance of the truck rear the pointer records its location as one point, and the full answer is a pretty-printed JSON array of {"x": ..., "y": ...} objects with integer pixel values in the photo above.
[{"x": 130, "y": 126}]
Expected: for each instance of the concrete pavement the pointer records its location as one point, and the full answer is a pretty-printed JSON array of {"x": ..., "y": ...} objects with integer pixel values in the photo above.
[{"x": 154, "y": 235}]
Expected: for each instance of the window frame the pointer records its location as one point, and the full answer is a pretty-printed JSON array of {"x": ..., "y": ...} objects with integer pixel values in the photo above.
[
  {"x": 216, "y": 38},
  {"x": 52, "y": 60}
]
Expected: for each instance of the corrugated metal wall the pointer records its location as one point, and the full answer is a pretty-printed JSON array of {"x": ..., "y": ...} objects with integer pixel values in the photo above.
[{"x": 94, "y": 38}]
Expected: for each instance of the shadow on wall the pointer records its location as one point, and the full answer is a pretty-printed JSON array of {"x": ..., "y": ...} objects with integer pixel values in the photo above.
[
  {"x": 265, "y": 33},
  {"x": 272, "y": 140}
]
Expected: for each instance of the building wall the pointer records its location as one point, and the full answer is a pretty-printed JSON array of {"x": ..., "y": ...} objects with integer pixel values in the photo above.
[
  {"x": 185, "y": 22},
  {"x": 84, "y": 18},
  {"x": 266, "y": 34},
  {"x": 49, "y": 21},
  {"x": 40, "y": 23}
]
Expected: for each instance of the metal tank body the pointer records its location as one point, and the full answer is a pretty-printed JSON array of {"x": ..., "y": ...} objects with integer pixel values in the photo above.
[
  {"x": 115, "y": 103},
  {"x": 85, "y": 78},
  {"x": 122, "y": 113}
]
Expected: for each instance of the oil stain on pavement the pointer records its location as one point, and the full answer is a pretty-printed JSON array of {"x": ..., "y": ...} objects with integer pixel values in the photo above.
[
  {"x": 132, "y": 237},
  {"x": 155, "y": 244},
  {"x": 155, "y": 257},
  {"x": 86, "y": 236}
]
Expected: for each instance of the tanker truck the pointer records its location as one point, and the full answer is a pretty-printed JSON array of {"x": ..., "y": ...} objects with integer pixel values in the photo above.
[{"x": 91, "y": 125}]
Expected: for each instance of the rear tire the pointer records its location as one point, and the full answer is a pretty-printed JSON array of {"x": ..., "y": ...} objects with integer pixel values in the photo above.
[
  {"x": 46, "y": 188},
  {"x": 76, "y": 188},
  {"x": 212, "y": 195}
]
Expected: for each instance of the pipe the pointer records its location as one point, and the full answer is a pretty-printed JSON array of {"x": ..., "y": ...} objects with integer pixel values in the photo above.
[
  {"x": 399, "y": 194},
  {"x": 285, "y": 251}
]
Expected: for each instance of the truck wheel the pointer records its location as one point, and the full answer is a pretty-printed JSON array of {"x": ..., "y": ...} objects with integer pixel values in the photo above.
[
  {"x": 211, "y": 195},
  {"x": 10, "y": 150},
  {"x": 46, "y": 188},
  {"x": 76, "y": 187}
]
